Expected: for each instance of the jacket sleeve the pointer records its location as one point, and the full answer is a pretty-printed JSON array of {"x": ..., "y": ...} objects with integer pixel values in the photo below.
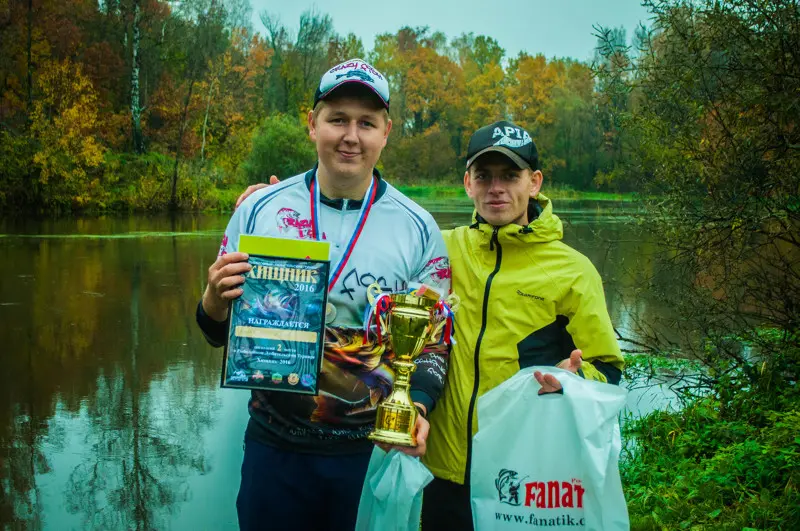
[
  {"x": 433, "y": 268},
  {"x": 215, "y": 332},
  {"x": 590, "y": 327},
  {"x": 427, "y": 382}
]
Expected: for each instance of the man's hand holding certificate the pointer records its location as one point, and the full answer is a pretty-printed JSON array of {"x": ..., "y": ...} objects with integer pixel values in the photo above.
[{"x": 276, "y": 332}]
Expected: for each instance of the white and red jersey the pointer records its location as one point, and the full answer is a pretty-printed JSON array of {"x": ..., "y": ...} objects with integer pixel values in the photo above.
[{"x": 400, "y": 242}]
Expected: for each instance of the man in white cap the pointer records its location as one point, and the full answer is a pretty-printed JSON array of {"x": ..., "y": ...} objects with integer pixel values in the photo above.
[{"x": 306, "y": 456}]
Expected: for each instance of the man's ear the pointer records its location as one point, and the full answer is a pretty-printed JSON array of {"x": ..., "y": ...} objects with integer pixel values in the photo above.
[
  {"x": 312, "y": 127},
  {"x": 536, "y": 182},
  {"x": 388, "y": 130},
  {"x": 468, "y": 184}
]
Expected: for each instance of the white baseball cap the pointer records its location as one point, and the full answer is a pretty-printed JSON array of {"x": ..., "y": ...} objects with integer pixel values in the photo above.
[{"x": 353, "y": 71}]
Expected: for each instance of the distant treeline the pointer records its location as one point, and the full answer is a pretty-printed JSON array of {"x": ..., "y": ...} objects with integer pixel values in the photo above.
[{"x": 149, "y": 104}]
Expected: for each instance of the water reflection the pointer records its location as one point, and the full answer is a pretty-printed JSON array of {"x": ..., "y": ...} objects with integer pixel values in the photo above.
[
  {"x": 107, "y": 390},
  {"x": 111, "y": 414}
]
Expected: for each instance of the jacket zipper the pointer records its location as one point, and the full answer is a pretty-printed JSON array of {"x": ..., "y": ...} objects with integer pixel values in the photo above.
[{"x": 494, "y": 244}]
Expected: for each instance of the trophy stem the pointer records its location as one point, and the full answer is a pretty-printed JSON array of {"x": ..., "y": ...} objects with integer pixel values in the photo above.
[{"x": 397, "y": 415}]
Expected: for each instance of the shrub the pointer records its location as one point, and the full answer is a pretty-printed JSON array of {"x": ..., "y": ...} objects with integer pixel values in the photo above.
[
  {"x": 281, "y": 147},
  {"x": 726, "y": 461}
]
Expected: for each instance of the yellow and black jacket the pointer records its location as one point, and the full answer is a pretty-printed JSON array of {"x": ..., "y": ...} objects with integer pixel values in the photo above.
[{"x": 532, "y": 300}]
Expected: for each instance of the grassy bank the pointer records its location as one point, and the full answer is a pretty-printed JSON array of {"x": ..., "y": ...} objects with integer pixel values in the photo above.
[
  {"x": 716, "y": 464},
  {"x": 151, "y": 194},
  {"x": 222, "y": 200},
  {"x": 447, "y": 191},
  {"x": 724, "y": 461}
]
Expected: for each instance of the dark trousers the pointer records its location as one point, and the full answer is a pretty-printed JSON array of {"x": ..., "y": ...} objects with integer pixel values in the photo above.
[
  {"x": 283, "y": 490},
  {"x": 446, "y": 506}
]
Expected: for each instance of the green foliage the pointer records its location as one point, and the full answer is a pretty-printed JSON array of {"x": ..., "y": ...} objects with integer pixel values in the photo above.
[
  {"x": 281, "y": 147},
  {"x": 650, "y": 365},
  {"x": 706, "y": 117},
  {"x": 427, "y": 191},
  {"x": 136, "y": 182},
  {"x": 221, "y": 200},
  {"x": 419, "y": 157},
  {"x": 717, "y": 154},
  {"x": 140, "y": 182},
  {"x": 443, "y": 187},
  {"x": 16, "y": 154},
  {"x": 575, "y": 133},
  {"x": 722, "y": 463}
]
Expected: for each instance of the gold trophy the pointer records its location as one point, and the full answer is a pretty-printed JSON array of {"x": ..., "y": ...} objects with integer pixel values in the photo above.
[{"x": 410, "y": 326}]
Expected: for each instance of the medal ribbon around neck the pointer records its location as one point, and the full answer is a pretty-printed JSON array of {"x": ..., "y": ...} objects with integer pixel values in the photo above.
[{"x": 366, "y": 206}]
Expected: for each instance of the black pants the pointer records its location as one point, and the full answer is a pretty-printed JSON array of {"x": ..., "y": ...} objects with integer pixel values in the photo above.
[
  {"x": 446, "y": 507},
  {"x": 291, "y": 491}
]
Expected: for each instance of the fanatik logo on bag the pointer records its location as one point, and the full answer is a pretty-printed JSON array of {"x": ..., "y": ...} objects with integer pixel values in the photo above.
[{"x": 552, "y": 494}]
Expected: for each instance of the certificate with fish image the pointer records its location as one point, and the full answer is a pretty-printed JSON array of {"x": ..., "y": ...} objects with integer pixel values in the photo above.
[{"x": 277, "y": 326}]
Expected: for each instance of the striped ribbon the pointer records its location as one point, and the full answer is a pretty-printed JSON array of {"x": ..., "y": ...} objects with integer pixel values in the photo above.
[
  {"x": 366, "y": 206},
  {"x": 442, "y": 310},
  {"x": 378, "y": 311}
]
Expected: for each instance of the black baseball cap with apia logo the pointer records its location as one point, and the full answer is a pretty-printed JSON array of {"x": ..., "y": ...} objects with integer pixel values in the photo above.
[{"x": 507, "y": 138}]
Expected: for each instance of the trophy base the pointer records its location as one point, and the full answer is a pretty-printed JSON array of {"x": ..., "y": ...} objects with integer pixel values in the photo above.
[
  {"x": 392, "y": 437},
  {"x": 394, "y": 423}
]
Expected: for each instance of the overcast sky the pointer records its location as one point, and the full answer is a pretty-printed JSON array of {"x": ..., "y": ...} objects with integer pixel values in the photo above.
[{"x": 555, "y": 28}]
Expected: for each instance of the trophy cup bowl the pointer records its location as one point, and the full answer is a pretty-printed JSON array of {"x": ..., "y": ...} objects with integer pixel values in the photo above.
[{"x": 410, "y": 328}]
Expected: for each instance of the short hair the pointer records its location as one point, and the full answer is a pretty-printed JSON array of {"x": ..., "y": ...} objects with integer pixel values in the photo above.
[{"x": 354, "y": 91}]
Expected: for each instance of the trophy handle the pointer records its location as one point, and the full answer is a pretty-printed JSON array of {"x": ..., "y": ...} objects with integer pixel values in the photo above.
[
  {"x": 373, "y": 292},
  {"x": 437, "y": 330}
]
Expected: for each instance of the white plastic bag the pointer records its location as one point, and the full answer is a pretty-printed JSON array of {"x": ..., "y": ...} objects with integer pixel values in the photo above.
[
  {"x": 548, "y": 461},
  {"x": 391, "y": 499}
]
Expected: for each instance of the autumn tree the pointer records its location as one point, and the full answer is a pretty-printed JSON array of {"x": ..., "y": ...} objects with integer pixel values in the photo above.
[
  {"x": 719, "y": 152},
  {"x": 64, "y": 124},
  {"x": 308, "y": 58},
  {"x": 480, "y": 59},
  {"x": 204, "y": 40},
  {"x": 341, "y": 49},
  {"x": 276, "y": 89},
  {"x": 427, "y": 102},
  {"x": 191, "y": 82},
  {"x": 299, "y": 63},
  {"x": 234, "y": 104}
]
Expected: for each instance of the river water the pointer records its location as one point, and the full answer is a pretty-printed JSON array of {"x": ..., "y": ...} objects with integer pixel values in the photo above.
[{"x": 111, "y": 415}]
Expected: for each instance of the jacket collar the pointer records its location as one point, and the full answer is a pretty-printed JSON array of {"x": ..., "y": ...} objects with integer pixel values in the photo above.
[
  {"x": 352, "y": 204},
  {"x": 543, "y": 227}
]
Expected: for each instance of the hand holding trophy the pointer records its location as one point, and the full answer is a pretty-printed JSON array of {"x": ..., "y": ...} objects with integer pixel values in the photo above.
[{"x": 410, "y": 321}]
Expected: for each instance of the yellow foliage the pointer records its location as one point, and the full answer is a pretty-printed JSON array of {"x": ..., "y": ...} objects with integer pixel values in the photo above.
[
  {"x": 65, "y": 123},
  {"x": 484, "y": 100},
  {"x": 531, "y": 90},
  {"x": 434, "y": 87}
]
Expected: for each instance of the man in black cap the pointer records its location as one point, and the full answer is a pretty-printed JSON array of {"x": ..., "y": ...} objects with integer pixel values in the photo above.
[{"x": 526, "y": 299}]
